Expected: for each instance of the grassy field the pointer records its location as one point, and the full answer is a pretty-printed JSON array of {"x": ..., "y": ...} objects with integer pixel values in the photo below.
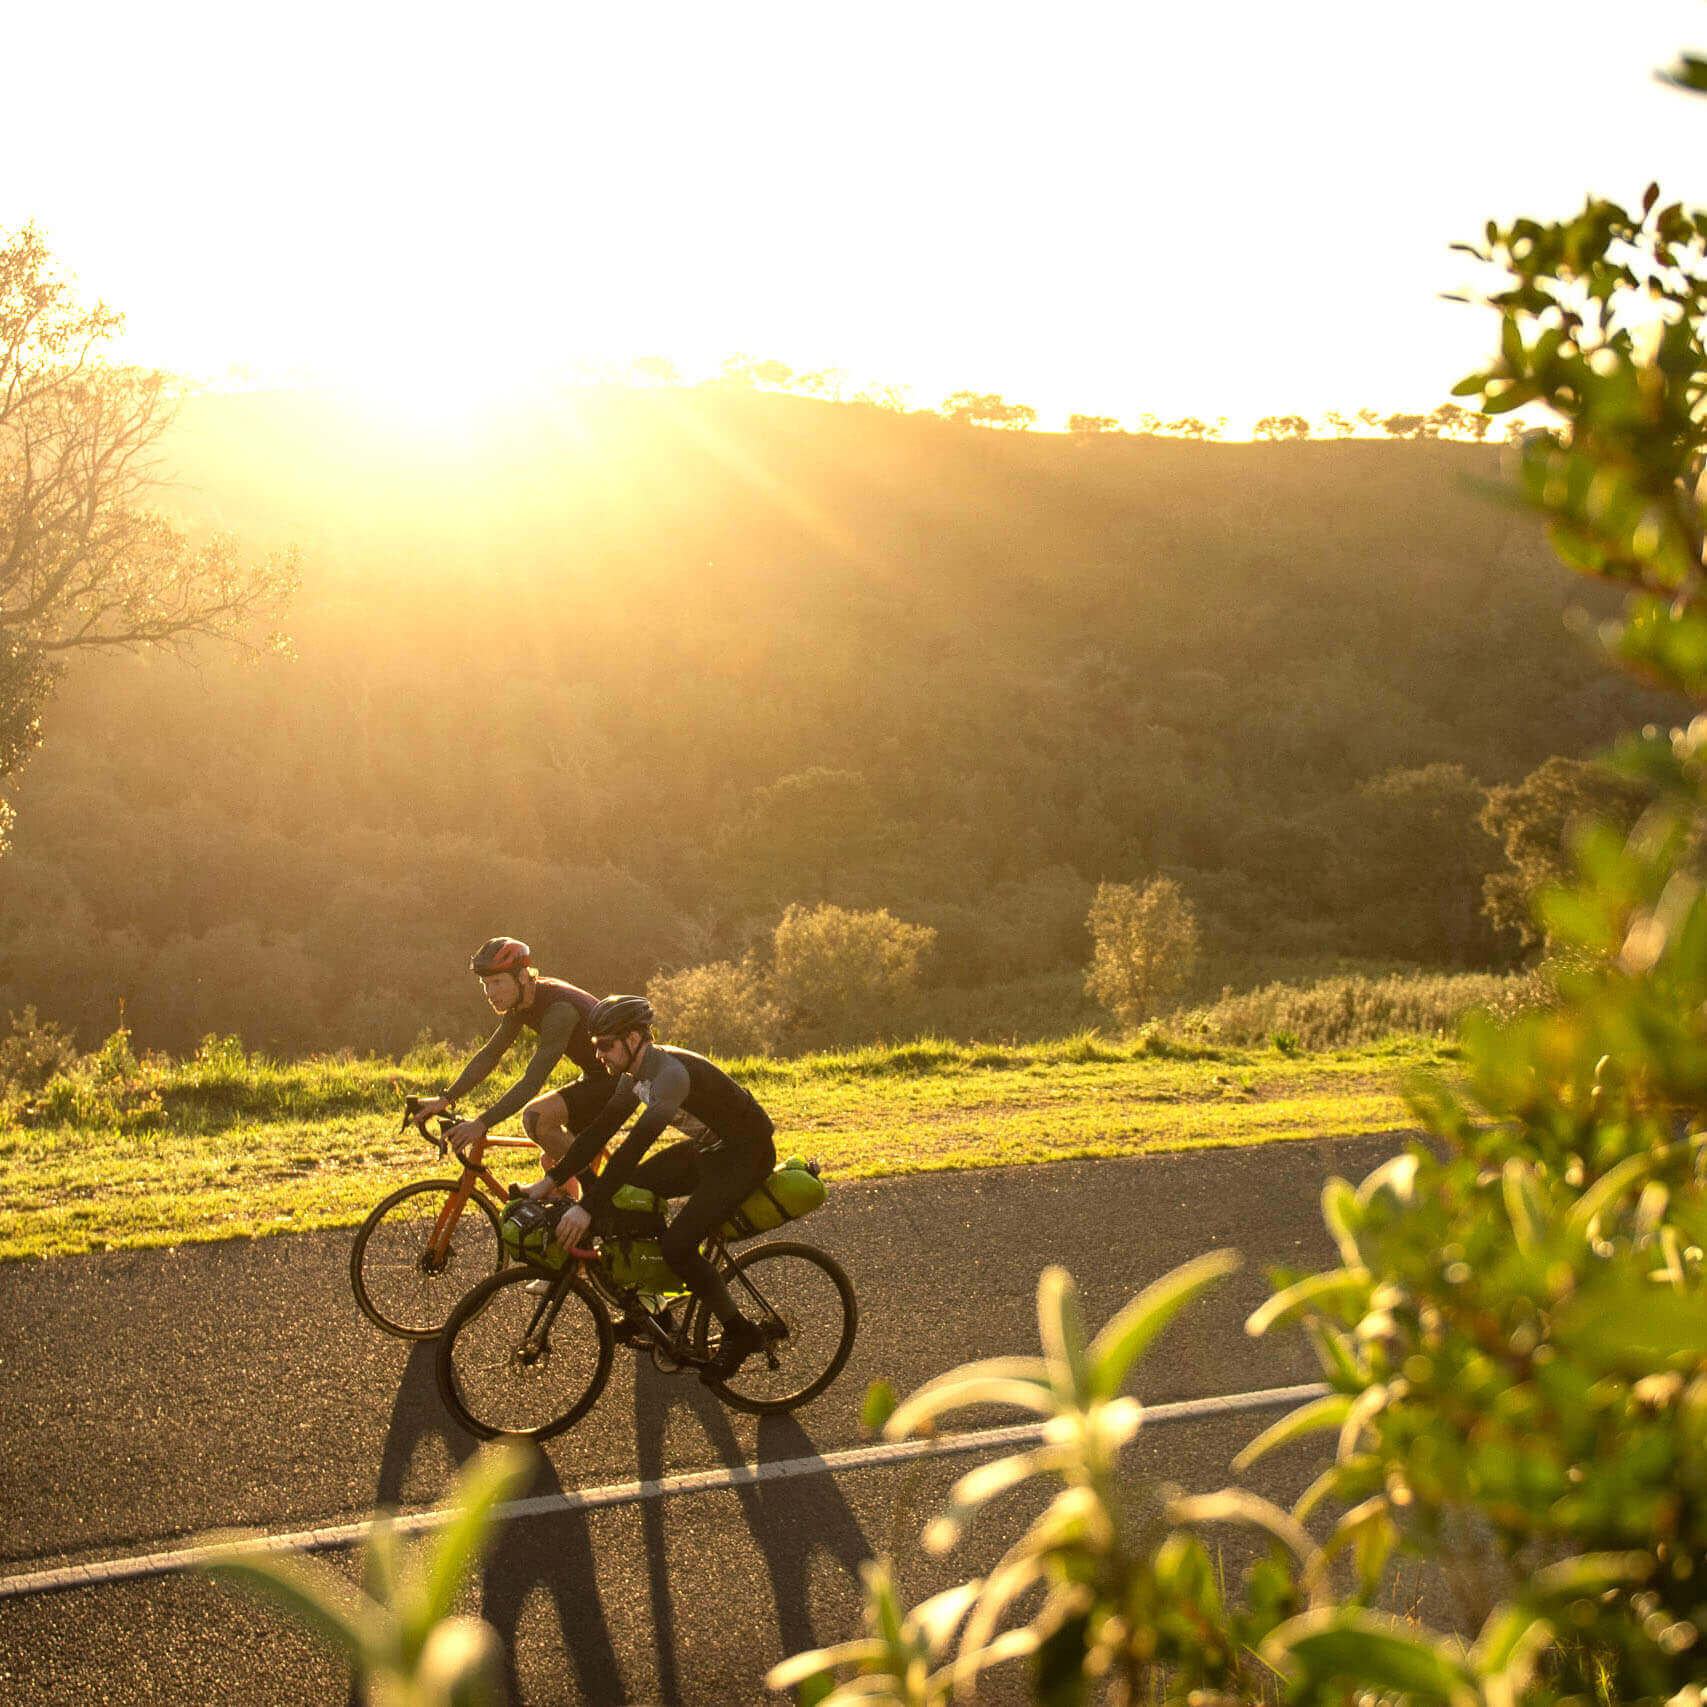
[{"x": 226, "y": 1146}]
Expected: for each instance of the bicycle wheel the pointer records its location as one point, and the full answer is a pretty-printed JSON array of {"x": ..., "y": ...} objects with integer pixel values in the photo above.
[
  {"x": 399, "y": 1284},
  {"x": 805, "y": 1303},
  {"x": 503, "y": 1369}
]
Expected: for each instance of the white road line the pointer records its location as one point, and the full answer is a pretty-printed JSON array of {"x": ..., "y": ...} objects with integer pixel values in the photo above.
[{"x": 105, "y": 1572}]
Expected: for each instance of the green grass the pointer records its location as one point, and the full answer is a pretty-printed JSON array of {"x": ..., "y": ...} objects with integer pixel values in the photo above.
[{"x": 225, "y": 1145}]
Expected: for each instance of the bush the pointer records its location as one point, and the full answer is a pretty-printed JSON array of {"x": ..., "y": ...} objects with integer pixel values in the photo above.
[
  {"x": 111, "y": 1088},
  {"x": 33, "y": 1053},
  {"x": 838, "y": 973},
  {"x": 724, "y": 1008},
  {"x": 1336, "y": 1013}
]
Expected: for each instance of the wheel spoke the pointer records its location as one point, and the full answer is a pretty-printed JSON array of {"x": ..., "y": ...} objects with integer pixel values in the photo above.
[
  {"x": 505, "y": 1370},
  {"x": 806, "y": 1306}
]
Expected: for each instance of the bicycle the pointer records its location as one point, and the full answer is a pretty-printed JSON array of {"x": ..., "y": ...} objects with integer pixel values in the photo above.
[
  {"x": 420, "y": 1250},
  {"x": 516, "y": 1362}
]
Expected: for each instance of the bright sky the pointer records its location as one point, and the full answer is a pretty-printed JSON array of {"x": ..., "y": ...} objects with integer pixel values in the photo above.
[{"x": 1203, "y": 208}]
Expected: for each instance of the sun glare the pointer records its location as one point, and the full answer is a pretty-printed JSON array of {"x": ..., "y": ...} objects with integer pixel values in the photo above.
[{"x": 448, "y": 409}]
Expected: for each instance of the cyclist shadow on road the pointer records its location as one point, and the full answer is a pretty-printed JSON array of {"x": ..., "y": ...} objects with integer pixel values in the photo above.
[
  {"x": 417, "y": 1414},
  {"x": 792, "y": 1518},
  {"x": 555, "y": 1555},
  {"x": 521, "y": 1557}
]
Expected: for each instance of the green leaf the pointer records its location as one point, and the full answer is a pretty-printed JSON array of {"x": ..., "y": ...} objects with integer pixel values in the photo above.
[
  {"x": 1524, "y": 1204},
  {"x": 493, "y": 1475},
  {"x": 1327, "y": 1412},
  {"x": 1372, "y": 1650},
  {"x": 983, "y": 1484},
  {"x": 1513, "y": 1638},
  {"x": 1615, "y": 1183},
  {"x": 1688, "y": 73},
  {"x": 935, "y": 1620},
  {"x": 926, "y": 1406},
  {"x": 1338, "y": 1285},
  {"x": 1059, "y": 1664},
  {"x": 1636, "y": 1327},
  {"x": 798, "y": 1668},
  {"x": 1342, "y": 1214},
  {"x": 380, "y": 1561},
  {"x": 316, "y": 1598},
  {"x": 878, "y": 1408},
  {"x": 812, "y": 1691},
  {"x": 1128, "y": 1334},
  {"x": 1236, "y": 1505},
  {"x": 1591, "y": 1573},
  {"x": 1061, "y": 1328}
]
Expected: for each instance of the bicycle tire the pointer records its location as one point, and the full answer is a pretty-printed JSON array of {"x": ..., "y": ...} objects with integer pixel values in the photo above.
[
  {"x": 492, "y": 1387},
  {"x": 389, "y": 1272},
  {"x": 810, "y": 1295}
]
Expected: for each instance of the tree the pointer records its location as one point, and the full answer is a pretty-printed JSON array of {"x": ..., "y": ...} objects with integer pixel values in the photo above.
[
  {"x": 1449, "y": 421},
  {"x": 1533, "y": 822},
  {"x": 1278, "y": 427},
  {"x": 1144, "y": 946},
  {"x": 988, "y": 409},
  {"x": 653, "y": 370},
  {"x": 1402, "y": 426},
  {"x": 84, "y": 562},
  {"x": 1193, "y": 427},
  {"x": 796, "y": 832},
  {"x": 882, "y": 395},
  {"x": 1088, "y": 425},
  {"x": 823, "y": 382}
]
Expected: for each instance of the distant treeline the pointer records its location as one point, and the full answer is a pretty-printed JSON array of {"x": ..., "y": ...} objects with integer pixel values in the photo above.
[{"x": 630, "y": 674}]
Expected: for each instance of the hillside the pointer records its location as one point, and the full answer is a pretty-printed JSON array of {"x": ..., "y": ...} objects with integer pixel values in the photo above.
[{"x": 548, "y": 672}]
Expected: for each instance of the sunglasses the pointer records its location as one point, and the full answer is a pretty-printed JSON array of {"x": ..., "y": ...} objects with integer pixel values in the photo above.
[{"x": 604, "y": 1044}]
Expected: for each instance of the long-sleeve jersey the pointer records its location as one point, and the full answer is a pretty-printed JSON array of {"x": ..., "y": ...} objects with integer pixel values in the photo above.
[
  {"x": 558, "y": 1014},
  {"x": 676, "y": 1088}
]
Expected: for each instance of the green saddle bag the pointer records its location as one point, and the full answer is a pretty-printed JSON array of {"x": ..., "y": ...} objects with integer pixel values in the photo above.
[{"x": 792, "y": 1190}]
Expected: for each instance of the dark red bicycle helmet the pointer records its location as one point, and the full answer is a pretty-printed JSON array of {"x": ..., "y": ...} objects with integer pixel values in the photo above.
[{"x": 501, "y": 954}]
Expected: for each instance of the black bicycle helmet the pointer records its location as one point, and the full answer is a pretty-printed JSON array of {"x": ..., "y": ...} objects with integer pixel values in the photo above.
[
  {"x": 501, "y": 954},
  {"x": 616, "y": 1016}
]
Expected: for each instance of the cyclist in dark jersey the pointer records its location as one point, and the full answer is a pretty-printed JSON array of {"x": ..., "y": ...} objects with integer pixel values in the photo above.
[
  {"x": 728, "y": 1150},
  {"x": 557, "y": 1013}
]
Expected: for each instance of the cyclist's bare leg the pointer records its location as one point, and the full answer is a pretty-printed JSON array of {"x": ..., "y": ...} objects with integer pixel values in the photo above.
[{"x": 546, "y": 1121}]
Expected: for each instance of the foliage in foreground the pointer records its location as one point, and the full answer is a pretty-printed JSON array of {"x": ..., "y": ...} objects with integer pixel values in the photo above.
[
  {"x": 1515, "y": 1338},
  {"x": 398, "y": 1631}
]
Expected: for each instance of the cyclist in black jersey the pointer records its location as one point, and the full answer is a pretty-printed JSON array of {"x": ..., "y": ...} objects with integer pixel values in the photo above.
[
  {"x": 727, "y": 1151},
  {"x": 557, "y": 1013}
]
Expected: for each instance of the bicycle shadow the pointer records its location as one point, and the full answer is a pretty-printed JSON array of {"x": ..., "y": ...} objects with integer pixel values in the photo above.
[
  {"x": 418, "y": 1415},
  {"x": 792, "y": 1518},
  {"x": 555, "y": 1555}
]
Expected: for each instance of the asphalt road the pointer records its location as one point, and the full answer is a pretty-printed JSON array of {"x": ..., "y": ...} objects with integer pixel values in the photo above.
[{"x": 148, "y": 1397}]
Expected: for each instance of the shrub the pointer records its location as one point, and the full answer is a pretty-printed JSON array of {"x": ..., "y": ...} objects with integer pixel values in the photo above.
[
  {"x": 33, "y": 1053},
  {"x": 838, "y": 973},
  {"x": 724, "y": 1008},
  {"x": 111, "y": 1088},
  {"x": 1336, "y": 1013}
]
